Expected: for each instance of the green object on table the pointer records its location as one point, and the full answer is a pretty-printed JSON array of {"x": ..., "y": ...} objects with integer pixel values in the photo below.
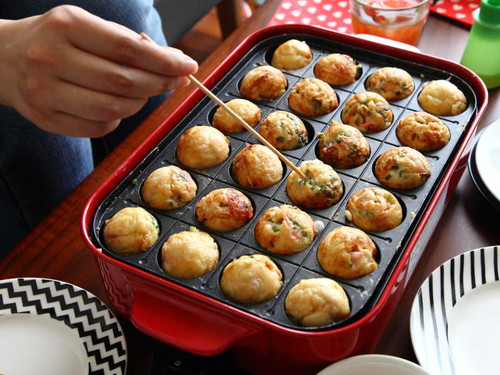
[{"x": 482, "y": 52}]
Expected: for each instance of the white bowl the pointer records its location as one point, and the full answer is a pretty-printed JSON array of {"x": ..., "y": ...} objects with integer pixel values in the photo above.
[{"x": 373, "y": 364}]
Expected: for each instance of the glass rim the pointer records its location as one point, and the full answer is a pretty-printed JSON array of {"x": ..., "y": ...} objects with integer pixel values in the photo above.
[{"x": 362, "y": 3}]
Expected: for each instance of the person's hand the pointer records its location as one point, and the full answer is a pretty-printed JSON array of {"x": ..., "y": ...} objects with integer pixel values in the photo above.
[{"x": 73, "y": 73}]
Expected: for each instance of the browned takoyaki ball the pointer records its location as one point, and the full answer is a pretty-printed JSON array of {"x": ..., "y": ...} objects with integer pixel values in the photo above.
[
  {"x": 368, "y": 112},
  {"x": 291, "y": 55},
  {"x": 168, "y": 188},
  {"x": 202, "y": 147},
  {"x": 343, "y": 146},
  {"x": 224, "y": 210},
  {"x": 402, "y": 168},
  {"x": 391, "y": 83},
  {"x": 321, "y": 189},
  {"x": 348, "y": 253},
  {"x": 256, "y": 167},
  {"x": 189, "y": 254},
  {"x": 131, "y": 230},
  {"x": 442, "y": 98},
  {"x": 251, "y": 279},
  {"x": 374, "y": 209},
  {"x": 285, "y": 230},
  {"x": 284, "y": 130},
  {"x": 247, "y": 110},
  {"x": 263, "y": 83},
  {"x": 337, "y": 69},
  {"x": 423, "y": 132},
  {"x": 312, "y": 97},
  {"x": 317, "y": 302}
]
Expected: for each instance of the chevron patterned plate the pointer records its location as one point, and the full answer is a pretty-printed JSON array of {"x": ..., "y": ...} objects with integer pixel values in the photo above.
[
  {"x": 454, "y": 317},
  {"x": 88, "y": 318}
]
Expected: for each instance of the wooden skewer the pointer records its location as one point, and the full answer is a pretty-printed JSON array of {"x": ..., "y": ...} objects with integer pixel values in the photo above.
[{"x": 240, "y": 120}]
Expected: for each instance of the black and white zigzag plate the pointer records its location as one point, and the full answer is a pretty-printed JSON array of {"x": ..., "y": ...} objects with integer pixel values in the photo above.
[
  {"x": 52, "y": 327},
  {"x": 454, "y": 318}
]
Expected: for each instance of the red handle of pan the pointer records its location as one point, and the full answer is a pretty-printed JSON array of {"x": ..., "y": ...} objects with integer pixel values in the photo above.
[{"x": 184, "y": 322}]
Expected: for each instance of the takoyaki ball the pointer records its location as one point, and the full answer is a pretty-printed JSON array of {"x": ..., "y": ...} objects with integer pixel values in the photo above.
[
  {"x": 391, "y": 83},
  {"x": 263, "y": 83},
  {"x": 374, "y": 209},
  {"x": 247, "y": 110},
  {"x": 368, "y": 112},
  {"x": 130, "y": 231},
  {"x": 291, "y": 55},
  {"x": 202, "y": 147},
  {"x": 285, "y": 230},
  {"x": 402, "y": 168},
  {"x": 189, "y": 254},
  {"x": 442, "y": 98},
  {"x": 312, "y": 97},
  {"x": 423, "y": 132},
  {"x": 348, "y": 253},
  {"x": 256, "y": 167},
  {"x": 343, "y": 146},
  {"x": 321, "y": 189},
  {"x": 317, "y": 302},
  {"x": 224, "y": 210},
  {"x": 251, "y": 279},
  {"x": 284, "y": 130},
  {"x": 337, "y": 69},
  {"x": 168, "y": 188}
]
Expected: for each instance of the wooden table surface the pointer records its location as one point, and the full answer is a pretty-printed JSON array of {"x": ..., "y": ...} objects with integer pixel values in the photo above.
[{"x": 55, "y": 248}]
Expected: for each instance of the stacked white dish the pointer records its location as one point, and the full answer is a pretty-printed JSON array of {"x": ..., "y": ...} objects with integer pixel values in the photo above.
[{"x": 484, "y": 163}]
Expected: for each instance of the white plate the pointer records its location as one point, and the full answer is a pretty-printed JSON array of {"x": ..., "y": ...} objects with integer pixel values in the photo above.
[
  {"x": 52, "y": 327},
  {"x": 373, "y": 364},
  {"x": 454, "y": 318},
  {"x": 476, "y": 178},
  {"x": 488, "y": 158}
]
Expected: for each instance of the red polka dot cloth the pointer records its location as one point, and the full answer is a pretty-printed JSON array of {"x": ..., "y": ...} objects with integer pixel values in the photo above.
[
  {"x": 331, "y": 14},
  {"x": 334, "y": 14},
  {"x": 458, "y": 10}
]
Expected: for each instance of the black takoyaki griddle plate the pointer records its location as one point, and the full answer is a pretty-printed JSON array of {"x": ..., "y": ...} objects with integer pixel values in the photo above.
[{"x": 363, "y": 292}]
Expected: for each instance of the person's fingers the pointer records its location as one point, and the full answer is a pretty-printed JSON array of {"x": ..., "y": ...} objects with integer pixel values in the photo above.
[
  {"x": 67, "y": 124},
  {"x": 106, "y": 76},
  {"x": 183, "y": 81},
  {"x": 72, "y": 110},
  {"x": 118, "y": 44},
  {"x": 78, "y": 127},
  {"x": 168, "y": 48},
  {"x": 88, "y": 104}
]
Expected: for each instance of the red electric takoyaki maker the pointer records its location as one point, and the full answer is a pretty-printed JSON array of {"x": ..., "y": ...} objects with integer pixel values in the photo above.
[{"x": 194, "y": 315}]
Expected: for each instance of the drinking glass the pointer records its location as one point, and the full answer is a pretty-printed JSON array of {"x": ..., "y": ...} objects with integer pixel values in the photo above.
[{"x": 400, "y": 20}]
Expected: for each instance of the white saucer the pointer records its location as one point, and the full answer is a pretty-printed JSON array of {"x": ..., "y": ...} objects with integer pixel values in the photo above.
[{"x": 373, "y": 364}]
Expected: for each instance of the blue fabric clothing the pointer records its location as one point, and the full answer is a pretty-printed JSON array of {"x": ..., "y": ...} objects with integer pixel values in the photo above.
[{"x": 38, "y": 169}]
